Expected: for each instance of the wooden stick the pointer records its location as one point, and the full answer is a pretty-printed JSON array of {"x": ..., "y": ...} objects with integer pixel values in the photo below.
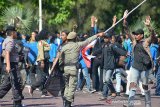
[{"x": 128, "y": 14}]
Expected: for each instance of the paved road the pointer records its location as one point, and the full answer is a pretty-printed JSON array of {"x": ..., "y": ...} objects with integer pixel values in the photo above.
[{"x": 81, "y": 100}]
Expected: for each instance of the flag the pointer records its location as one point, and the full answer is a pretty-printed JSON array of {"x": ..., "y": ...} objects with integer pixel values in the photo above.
[{"x": 87, "y": 58}]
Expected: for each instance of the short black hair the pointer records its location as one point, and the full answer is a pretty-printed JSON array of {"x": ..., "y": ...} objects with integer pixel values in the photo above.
[
  {"x": 57, "y": 32},
  {"x": 154, "y": 40},
  {"x": 27, "y": 37},
  {"x": 43, "y": 35},
  {"x": 2, "y": 33},
  {"x": 118, "y": 39},
  {"x": 66, "y": 32},
  {"x": 9, "y": 29},
  {"x": 8, "y": 33},
  {"x": 52, "y": 38},
  {"x": 35, "y": 32}
]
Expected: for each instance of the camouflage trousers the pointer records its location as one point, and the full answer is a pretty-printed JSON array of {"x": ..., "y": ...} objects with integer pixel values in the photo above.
[{"x": 70, "y": 84}]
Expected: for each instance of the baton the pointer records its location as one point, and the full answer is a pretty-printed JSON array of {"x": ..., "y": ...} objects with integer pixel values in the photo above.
[{"x": 127, "y": 15}]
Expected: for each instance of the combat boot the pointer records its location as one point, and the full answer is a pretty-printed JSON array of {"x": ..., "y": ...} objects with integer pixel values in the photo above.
[
  {"x": 17, "y": 104},
  {"x": 67, "y": 103},
  {"x": 64, "y": 101}
]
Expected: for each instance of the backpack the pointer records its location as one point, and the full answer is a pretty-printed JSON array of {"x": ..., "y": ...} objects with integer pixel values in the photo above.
[{"x": 120, "y": 60}]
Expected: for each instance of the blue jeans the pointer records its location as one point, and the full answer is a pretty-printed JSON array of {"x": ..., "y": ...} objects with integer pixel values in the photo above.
[
  {"x": 157, "y": 91},
  {"x": 107, "y": 76},
  {"x": 137, "y": 75},
  {"x": 86, "y": 76},
  {"x": 79, "y": 82},
  {"x": 118, "y": 79}
]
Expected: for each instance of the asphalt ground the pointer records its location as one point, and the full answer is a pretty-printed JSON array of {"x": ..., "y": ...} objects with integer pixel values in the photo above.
[{"x": 82, "y": 99}]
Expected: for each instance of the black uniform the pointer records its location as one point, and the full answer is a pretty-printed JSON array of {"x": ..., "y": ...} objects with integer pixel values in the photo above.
[{"x": 13, "y": 78}]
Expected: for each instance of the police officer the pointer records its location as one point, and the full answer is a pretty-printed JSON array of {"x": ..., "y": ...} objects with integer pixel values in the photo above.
[
  {"x": 12, "y": 77},
  {"x": 69, "y": 57}
]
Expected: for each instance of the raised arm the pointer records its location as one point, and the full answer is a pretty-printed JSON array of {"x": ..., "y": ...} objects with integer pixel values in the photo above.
[
  {"x": 111, "y": 31},
  {"x": 25, "y": 44},
  {"x": 93, "y": 25},
  {"x": 125, "y": 25},
  {"x": 90, "y": 39},
  {"x": 147, "y": 22}
]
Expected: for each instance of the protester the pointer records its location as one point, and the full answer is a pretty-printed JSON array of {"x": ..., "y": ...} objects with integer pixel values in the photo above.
[
  {"x": 43, "y": 63},
  {"x": 52, "y": 51},
  {"x": 108, "y": 63},
  {"x": 142, "y": 62},
  {"x": 32, "y": 55}
]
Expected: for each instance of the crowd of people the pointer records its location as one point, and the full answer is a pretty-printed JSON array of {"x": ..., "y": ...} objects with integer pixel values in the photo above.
[{"x": 130, "y": 58}]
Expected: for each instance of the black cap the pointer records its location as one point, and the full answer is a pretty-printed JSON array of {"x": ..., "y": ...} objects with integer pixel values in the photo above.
[
  {"x": 138, "y": 31},
  {"x": 107, "y": 35},
  {"x": 10, "y": 28}
]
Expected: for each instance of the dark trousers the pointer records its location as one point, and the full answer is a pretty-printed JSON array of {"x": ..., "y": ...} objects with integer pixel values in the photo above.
[
  {"x": 12, "y": 80},
  {"x": 62, "y": 85},
  {"x": 0, "y": 69},
  {"x": 42, "y": 74},
  {"x": 32, "y": 72},
  {"x": 157, "y": 91},
  {"x": 97, "y": 80},
  {"x": 0, "y": 63}
]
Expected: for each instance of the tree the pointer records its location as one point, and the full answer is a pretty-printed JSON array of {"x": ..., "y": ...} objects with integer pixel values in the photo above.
[
  {"x": 18, "y": 17},
  {"x": 63, "y": 14}
]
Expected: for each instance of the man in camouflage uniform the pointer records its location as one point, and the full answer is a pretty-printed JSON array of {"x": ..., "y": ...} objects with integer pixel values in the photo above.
[{"x": 69, "y": 57}]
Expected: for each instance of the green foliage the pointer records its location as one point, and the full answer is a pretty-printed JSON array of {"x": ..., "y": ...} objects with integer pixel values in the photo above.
[
  {"x": 62, "y": 10},
  {"x": 139, "y": 24},
  {"x": 63, "y": 14},
  {"x": 18, "y": 17}
]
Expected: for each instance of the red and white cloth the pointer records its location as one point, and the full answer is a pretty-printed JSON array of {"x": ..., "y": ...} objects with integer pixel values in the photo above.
[{"x": 87, "y": 58}]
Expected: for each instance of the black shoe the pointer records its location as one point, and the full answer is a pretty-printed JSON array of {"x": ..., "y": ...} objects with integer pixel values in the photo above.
[
  {"x": 142, "y": 96},
  {"x": 118, "y": 94},
  {"x": 124, "y": 88},
  {"x": 67, "y": 103},
  {"x": 151, "y": 82},
  {"x": 18, "y": 105},
  {"x": 64, "y": 101},
  {"x": 125, "y": 95},
  {"x": 154, "y": 86}
]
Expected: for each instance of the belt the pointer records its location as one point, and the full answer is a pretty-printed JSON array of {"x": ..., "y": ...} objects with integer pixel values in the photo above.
[
  {"x": 12, "y": 63},
  {"x": 70, "y": 64}
]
